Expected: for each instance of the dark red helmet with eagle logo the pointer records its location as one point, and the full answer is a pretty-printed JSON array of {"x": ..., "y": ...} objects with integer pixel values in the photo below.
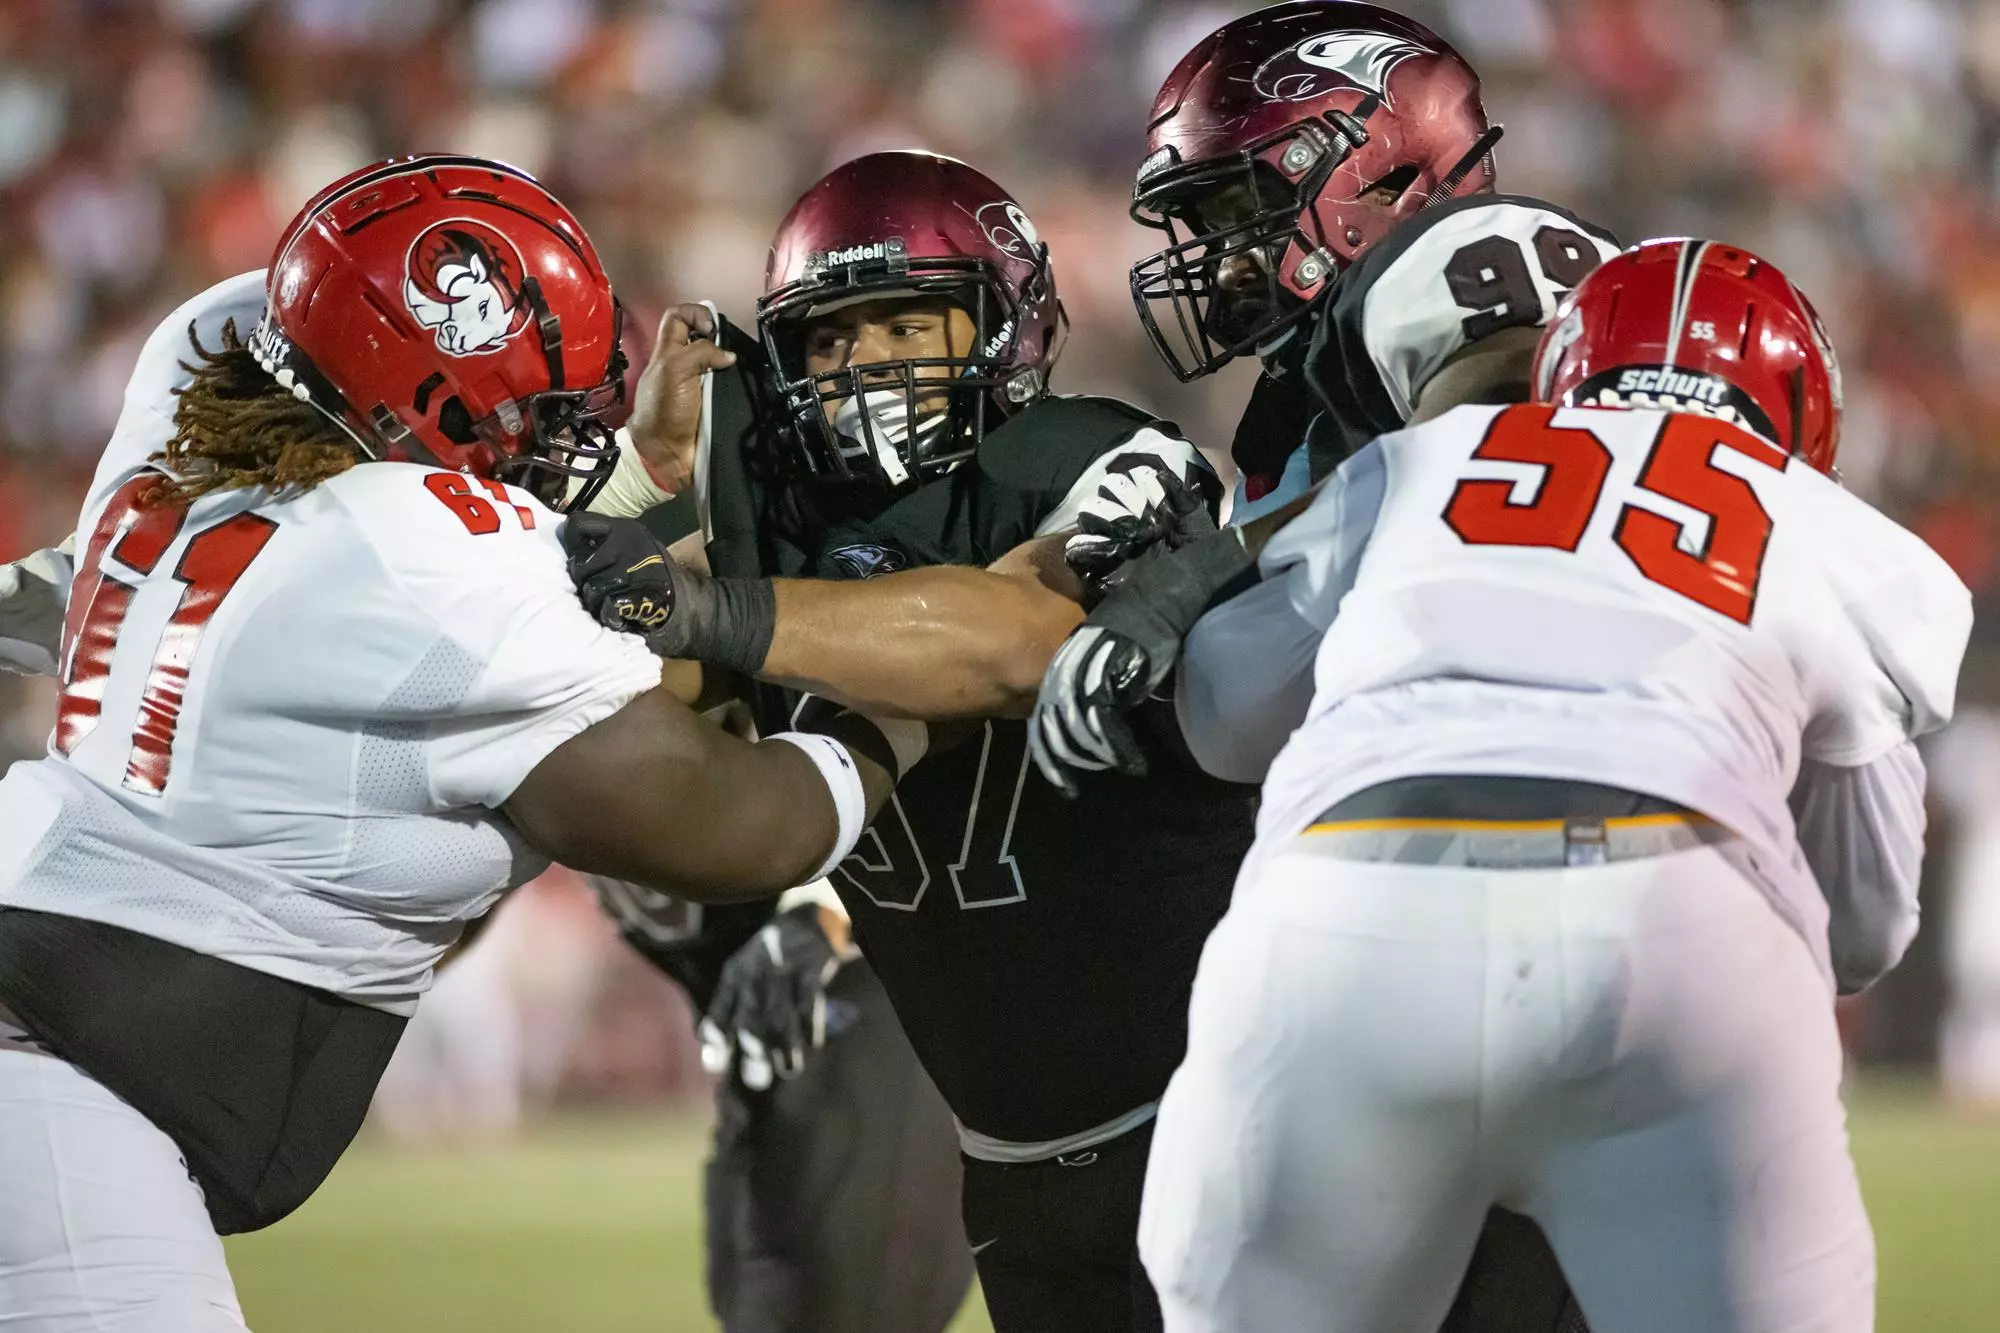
[
  {"x": 1279, "y": 150},
  {"x": 909, "y": 224},
  {"x": 449, "y": 310}
]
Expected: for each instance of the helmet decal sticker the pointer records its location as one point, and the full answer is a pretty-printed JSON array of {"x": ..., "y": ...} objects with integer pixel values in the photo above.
[
  {"x": 1361, "y": 60},
  {"x": 464, "y": 280},
  {"x": 1008, "y": 228}
]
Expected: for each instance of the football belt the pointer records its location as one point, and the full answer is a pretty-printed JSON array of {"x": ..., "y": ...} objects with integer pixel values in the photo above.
[
  {"x": 1502, "y": 844},
  {"x": 1505, "y": 823}
]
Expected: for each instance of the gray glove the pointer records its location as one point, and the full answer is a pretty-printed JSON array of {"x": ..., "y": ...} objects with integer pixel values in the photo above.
[
  {"x": 1122, "y": 654},
  {"x": 1132, "y": 513}
]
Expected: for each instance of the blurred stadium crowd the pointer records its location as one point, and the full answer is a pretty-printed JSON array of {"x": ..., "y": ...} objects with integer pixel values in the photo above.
[{"x": 149, "y": 147}]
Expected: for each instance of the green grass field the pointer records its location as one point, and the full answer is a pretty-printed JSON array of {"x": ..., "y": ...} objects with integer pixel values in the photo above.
[{"x": 592, "y": 1225}]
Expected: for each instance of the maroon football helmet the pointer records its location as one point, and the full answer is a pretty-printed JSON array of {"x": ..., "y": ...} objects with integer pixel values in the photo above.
[
  {"x": 448, "y": 310},
  {"x": 1263, "y": 146},
  {"x": 909, "y": 224},
  {"x": 1698, "y": 326}
]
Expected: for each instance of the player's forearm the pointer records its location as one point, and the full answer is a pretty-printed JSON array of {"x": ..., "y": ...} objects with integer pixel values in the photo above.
[
  {"x": 1499, "y": 368},
  {"x": 938, "y": 643},
  {"x": 660, "y": 797}
]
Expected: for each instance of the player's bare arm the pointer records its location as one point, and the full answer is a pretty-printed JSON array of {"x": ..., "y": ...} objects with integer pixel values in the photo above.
[
  {"x": 657, "y": 795},
  {"x": 931, "y": 644},
  {"x": 937, "y": 643},
  {"x": 1495, "y": 369}
]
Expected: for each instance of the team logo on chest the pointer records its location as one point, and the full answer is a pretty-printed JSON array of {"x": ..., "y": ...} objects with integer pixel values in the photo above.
[
  {"x": 865, "y": 560},
  {"x": 464, "y": 282}
]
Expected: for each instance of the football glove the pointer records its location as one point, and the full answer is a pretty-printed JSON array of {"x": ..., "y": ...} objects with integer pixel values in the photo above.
[
  {"x": 769, "y": 1011},
  {"x": 1121, "y": 655},
  {"x": 1131, "y": 513},
  {"x": 626, "y": 578}
]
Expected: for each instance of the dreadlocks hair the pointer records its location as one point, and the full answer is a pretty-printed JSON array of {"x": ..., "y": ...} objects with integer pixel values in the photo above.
[{"x": 237, "y": 427}]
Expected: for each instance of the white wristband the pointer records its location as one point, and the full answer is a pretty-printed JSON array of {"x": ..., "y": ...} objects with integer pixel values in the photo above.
[
  {"x": 843, "y": 780},
  {"x": 631, "y": 490}
]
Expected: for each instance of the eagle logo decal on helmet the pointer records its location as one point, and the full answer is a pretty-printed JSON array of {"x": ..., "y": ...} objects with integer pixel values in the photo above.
[
  {"x": 1361, "y": 59},
  {"x": 464, "y": 281},
  {"x": 1008, "y": 228}
]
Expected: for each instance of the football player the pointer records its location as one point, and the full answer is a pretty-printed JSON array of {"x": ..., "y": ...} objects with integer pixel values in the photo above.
[
  {"x": 1586, "y": 734},
  {"x": 326, "y": 695},
  {"x": 1322, "y": 172},
  {"x": 901, "y": 289},
  {"x": 1038, "y": 952}
]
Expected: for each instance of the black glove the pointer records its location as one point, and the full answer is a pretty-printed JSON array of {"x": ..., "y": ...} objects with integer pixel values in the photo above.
[
  {"x": 770, "y": 1008},
  {"x": 625, "y": 577},
  {"x": 1140, "y": 510},
  {"x": 1122, "y": 653}
]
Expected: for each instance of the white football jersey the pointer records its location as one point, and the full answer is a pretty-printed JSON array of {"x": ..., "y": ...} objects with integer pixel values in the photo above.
[
  {"x": 1654, "y": 601},
  {"x": 286, "y": 725}
]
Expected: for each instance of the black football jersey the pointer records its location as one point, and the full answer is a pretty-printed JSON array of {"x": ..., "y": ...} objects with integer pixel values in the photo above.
[
  {"x": 1039, "y": 951},
  {"x": 1442, "y": 281}
]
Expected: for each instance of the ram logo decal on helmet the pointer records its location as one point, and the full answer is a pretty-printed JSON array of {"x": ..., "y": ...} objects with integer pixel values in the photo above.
[
  {"x": 465, "y": 282},
  {"x": 1361, "y": 59}
]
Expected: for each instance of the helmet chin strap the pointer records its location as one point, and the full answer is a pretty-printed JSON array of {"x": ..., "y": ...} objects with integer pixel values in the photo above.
[{"x": 1454, "y": 178}]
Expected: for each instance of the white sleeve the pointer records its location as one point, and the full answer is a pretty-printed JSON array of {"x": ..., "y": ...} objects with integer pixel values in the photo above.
[
  {"x": 1148, "y": 447},
  {"x": 1245, "y": 681},
  {"x": 1912, "y": 614},
  {"x": 1322, "y": 547},
  {"x": 1246, "y": 673},
  {"x": 1862, "y": 829},
  {"x": 34, "y": 593},
  {"x": 532, "y": 668},
  {"x": 550, "y": 673}
]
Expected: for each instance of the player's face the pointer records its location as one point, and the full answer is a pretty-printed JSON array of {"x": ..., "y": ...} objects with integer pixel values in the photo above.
[
  {"x": 1246, "y": 296},
  {"x": 905, "y": 328}
]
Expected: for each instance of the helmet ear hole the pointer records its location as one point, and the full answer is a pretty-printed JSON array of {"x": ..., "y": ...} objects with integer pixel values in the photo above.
[{"x": 455, "y": 423}]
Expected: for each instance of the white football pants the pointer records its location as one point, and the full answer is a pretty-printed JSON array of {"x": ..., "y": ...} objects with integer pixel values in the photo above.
[
  {"x": 101, "y": 1229},
  {"x": 1640, "y": 1056}
]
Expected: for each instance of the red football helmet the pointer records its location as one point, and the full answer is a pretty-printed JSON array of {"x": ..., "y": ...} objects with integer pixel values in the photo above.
[
  {"x": 1698, "y": 326},
  {"x": 1263, "y": 146},
  {"x": 909, "y": 224},
  {"x": 449, "y": 310}
]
